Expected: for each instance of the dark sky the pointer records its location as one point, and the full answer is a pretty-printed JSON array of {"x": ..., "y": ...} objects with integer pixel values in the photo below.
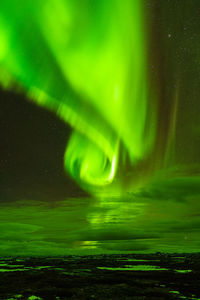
[{"x": 33, "y": 142}]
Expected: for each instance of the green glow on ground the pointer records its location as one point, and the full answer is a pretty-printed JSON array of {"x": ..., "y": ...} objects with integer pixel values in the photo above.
[
  {"x": 146, "y": 222},
  {"x": 135, "y": 268},
  {"x": 183, "y": 271},
  {"x": 140, "y": 260}
]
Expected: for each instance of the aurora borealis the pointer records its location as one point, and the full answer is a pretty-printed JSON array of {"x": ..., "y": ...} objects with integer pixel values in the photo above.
[
  {"x": 100, "y": 126},
  {"x": 92, "y": 75}
]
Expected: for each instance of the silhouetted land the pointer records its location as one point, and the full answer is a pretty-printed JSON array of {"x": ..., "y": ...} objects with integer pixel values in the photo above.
[{"x": 141, "y": 276}]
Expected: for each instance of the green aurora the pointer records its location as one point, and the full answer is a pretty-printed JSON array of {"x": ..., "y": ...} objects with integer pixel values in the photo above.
[
  {"x": 92, "y": 62},
  {"x": 122, "y": 79}
]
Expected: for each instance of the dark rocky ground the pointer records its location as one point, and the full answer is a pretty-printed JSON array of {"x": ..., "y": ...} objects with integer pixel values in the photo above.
[{"x": 153, "y": 277}]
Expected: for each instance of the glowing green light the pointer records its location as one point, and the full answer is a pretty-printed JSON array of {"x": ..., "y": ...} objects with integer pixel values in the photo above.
[
  {"x": 87, "y": 162},
  {"x": 87, "y": 63}
]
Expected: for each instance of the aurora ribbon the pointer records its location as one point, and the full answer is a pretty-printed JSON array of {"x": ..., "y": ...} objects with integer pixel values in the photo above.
[{"x": 86, "y": 61}]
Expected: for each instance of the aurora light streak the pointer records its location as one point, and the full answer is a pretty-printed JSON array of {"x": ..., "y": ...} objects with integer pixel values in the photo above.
[{"x": 86, "y": 61}]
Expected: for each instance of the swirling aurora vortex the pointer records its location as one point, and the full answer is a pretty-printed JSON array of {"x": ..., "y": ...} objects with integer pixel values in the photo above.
[{"x": 86, "y": 61}]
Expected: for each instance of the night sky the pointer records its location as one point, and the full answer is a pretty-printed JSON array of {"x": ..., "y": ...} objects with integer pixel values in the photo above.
[
  {"x": 32, "y": 146},
  {"x": 43, "y": 211}
]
